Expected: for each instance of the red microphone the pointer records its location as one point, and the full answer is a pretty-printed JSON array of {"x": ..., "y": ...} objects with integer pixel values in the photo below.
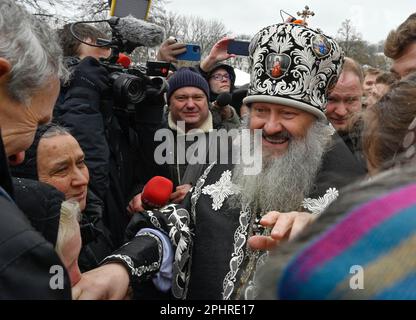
[
  {"x": 124, "y": 60},
  {"x": 156, "y": 193}
]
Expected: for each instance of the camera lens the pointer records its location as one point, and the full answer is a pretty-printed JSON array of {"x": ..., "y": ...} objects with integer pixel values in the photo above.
[
  {"x": 133, "y": 89},
  {"x": 128, "y": 88}
]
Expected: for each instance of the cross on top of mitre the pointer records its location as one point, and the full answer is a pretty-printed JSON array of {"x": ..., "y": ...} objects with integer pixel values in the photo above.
[{"x": 306, "y": 13}]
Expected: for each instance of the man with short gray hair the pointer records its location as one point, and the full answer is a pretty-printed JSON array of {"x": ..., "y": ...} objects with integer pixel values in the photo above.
[{"x": 30, "y": 72}]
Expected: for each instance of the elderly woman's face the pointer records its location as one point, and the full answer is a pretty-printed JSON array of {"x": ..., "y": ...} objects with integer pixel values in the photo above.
[{"x": 60, "y": 162}]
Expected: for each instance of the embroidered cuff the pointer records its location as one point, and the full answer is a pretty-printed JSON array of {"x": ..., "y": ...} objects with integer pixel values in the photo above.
[{"x": 142, "y": 257}]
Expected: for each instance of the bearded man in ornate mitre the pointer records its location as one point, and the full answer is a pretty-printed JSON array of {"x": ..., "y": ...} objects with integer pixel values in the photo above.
[{"x": 211, "y": 246}]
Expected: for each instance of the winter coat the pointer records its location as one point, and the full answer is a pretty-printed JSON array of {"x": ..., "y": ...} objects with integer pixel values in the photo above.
[
  {"x": 111, "y": 150},
  {"x": 26, "y": 258},
  {"x": 96, "y": 238},
  {"x": 175, "y": 171},
  {"x": 209, "y": 235},
  {"x": 42, "y": 203}
]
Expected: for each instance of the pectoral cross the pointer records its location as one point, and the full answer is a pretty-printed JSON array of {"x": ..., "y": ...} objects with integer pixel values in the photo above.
[{"x": 306, "y": 13}]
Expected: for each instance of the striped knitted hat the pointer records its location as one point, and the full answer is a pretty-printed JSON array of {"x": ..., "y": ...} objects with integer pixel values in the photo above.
[{"x": 376, "y": 240}]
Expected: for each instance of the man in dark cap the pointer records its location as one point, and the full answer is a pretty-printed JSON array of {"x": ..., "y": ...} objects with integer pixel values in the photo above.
[
  {"x": 188, "y": 99},
  {"x": 220, "y": 233}
]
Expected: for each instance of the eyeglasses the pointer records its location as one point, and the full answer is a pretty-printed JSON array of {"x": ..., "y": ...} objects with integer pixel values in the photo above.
[{"x": 220, "y": 77}]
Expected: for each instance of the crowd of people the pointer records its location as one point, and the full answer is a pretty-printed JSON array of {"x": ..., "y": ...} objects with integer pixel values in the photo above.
[{"x": 334, "y": 143}]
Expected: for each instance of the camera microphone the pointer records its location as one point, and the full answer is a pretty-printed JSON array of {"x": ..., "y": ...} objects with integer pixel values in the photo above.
[{"x": 138, "y": 31}]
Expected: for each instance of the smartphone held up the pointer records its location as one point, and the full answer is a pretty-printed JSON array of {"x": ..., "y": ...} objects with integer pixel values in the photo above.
[
  {"x": 238, "y": 47},
  {"x": 192, "y": 53}
]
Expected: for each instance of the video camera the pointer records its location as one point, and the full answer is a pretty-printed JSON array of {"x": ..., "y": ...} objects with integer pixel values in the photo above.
[{"x": 131, "y": 84}]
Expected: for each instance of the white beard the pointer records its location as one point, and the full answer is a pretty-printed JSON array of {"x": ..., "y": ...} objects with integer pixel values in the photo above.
[{"x": 285, "y": 180}]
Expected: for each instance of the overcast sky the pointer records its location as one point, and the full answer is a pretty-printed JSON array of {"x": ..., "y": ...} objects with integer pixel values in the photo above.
[{"x": 372, "y": 18}]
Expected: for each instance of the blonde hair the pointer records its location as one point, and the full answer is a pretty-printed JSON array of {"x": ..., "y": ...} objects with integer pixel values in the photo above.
[
  {"x": 350, "y": 65},
  {"x": 68, "y": 224}
]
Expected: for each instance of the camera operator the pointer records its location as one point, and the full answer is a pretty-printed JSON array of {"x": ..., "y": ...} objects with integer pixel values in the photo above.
[
  {"x": 86, "y": 108},
  {"x": 78, "y": 106}
]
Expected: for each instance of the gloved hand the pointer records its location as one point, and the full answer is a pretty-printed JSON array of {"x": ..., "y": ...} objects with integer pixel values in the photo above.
[{"x": 90, "y": 74}]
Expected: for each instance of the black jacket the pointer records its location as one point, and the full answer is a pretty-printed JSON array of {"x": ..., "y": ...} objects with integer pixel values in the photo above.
[
  {"x": 174, "y": 171},
  {"x": 42, "y": 203},
  {"x": 210, "y": 244},
  {"x": 78, "y": 109},
  {"x": 106, "y": 148},
  {"x": 96, "y": 238},
  {"x": 353, "y": 140},
  {"x": 111, "y": 135},
  {"x": 26, "y": 257}
]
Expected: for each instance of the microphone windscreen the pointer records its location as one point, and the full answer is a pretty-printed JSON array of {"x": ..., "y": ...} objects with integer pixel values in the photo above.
[
  {"x": 124, "y": 60},
  {"x": 140, "y": 32},
  {"x": 223, "y": 99},
  {"x": 156, "y": 192}
]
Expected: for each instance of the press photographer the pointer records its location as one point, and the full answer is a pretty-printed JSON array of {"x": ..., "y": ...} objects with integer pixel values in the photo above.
[{"x": 105, "y": 105}]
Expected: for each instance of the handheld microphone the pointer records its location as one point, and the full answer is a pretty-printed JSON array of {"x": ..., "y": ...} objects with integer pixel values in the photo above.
[
  {"x": 138, "y": 31},
  {"x": 156, "y": 193},
  {"x": 124, "y": 60},
  {"x": 223, "y": 100}
]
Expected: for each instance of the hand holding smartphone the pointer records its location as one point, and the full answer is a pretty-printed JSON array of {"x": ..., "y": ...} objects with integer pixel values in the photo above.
[
  {"x": 192, "y": 53},
  {"x": 238, "y": 47}
]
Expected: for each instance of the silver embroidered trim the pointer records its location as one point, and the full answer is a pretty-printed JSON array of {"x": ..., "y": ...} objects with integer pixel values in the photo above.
[
  {"x": 141, "y": 270},
  {"x": 154, "y": 220},
  {"x": 181, "y": 236},
  {"x": 251, "y": 291},
  {"x": 221, "y": 190},
  {"x": 309, "y": 77},
  {"x": 123, "y": 257},
  {"x": 240, "y": 237},
  {"x": 181, "y": 220},
  {"x": 317, "y": 206},
  {"x": 197, "y": 192}
]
